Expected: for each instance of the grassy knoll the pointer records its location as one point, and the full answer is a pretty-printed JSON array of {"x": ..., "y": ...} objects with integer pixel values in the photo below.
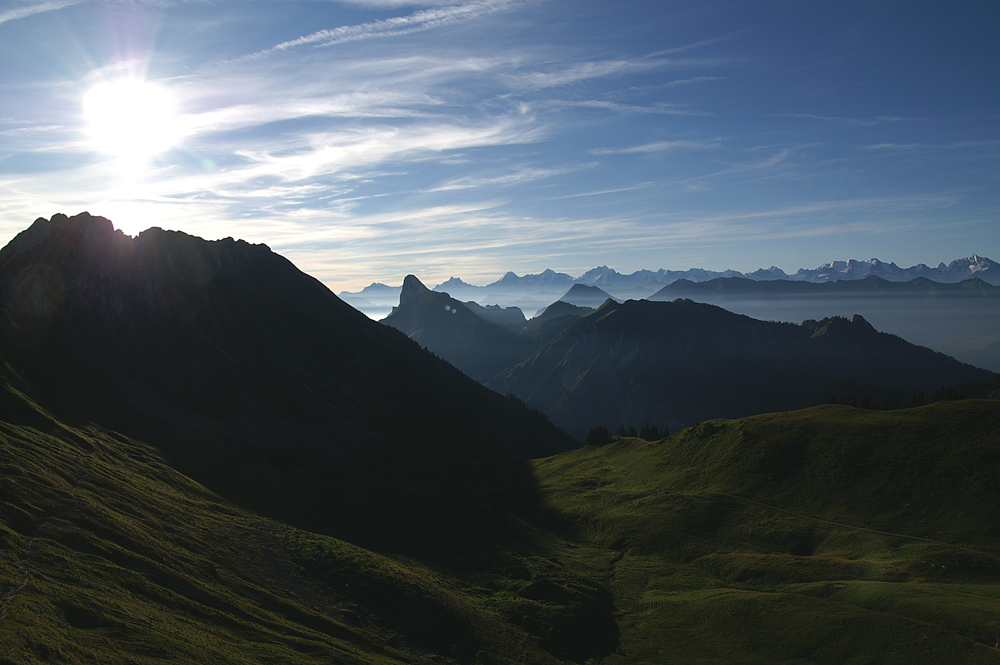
[{"x": 830, "y": 535}]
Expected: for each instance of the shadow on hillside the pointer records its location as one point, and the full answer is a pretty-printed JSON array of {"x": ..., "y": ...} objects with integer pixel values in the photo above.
[
  {"x": 461, "y": 514},
  {"x": 480, "y": 521},
  {"x": 474, "y": 521}
]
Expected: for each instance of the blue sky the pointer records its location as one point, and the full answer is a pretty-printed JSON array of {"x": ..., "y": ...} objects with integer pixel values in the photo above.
[{"x": 370, "y": 139}]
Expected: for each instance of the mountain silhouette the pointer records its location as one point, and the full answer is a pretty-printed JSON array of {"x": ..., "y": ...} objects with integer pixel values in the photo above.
[{"x": 227, "y": 346}]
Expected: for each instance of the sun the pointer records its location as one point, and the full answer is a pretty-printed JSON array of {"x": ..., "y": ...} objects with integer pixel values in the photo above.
[{"x": 131, "y": 119}]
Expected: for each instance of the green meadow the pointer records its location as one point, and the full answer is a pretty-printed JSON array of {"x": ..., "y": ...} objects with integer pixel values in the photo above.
[{"x": 830, "y": 535}]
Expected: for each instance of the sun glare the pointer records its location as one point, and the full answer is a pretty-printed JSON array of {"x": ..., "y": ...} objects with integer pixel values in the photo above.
[{"x": 130, "y": 119}]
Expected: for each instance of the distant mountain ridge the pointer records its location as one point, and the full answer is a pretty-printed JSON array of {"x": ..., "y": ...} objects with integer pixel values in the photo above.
[
  {"x": 920, "y": 310},
  {"x": 676, "y": 363},
  {"x": 956, "y": 271},
  {"x": 642, "y": 283},
  {"x": 918, "y": 286}
]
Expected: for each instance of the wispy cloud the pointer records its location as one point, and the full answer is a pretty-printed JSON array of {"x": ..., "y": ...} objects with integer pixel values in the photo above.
[
  {"x": 876, "y": 206},
  {"x": 601, "y": 192},
  {"x": 921, "y": 146},
  {"x": 696, "y": 79},
  {"x": 847, "y": 122},
  {"x": 661, "y": 108},
  {"x": 23, "y": 10},
  {"x": 894, "y": 146},
  {"x": 426, "y": 19},
  {"x": 350, "y": 105},
  {"x": 335, "y": 152},
  {"x": 582, "y": 71},
  {"x": 509, "y": 179},
  {"x": 656, "y": 146},
  {"x": 393, "y": 4},
  {"x": 762, "y": 164},
  {"x": 318, "y": 171},
  {"x": 34, "y": 129},
  {"x": 688, "y": 47}
]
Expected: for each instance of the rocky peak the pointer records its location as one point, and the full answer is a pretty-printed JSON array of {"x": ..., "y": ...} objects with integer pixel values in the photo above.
[
  {"x": 412, "y": 285},
  {"x": 79, "y": 232}
]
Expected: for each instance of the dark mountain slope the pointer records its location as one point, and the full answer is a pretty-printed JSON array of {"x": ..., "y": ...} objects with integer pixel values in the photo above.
[
  {"x": 552, "y": 320},
  {"x": 480, "y": 341},
  {"x": 511, "y": 317},
  {"x": 559, "y": 309},
  {"x": 448, "y": 328},
  {"x": 109, "y": 555},
  {"x": 677, "y": 363},
  {"x": 226, "y": 346}
]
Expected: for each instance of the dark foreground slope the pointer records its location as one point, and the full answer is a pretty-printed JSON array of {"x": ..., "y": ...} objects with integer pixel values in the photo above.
[
  {"x": 109, "y": 555},
  {"x": 831, "y": 535},
  {"x": 676, "y": 363}
]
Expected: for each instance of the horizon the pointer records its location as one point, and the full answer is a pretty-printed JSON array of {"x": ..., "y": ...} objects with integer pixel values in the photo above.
[
  {"x": 371, "y": 139},
  {"x": 789, "y": 273}
]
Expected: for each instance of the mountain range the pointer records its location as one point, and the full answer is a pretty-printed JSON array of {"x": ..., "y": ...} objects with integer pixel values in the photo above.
[
  {"x": 536, "y": 291},
  {"x": 206, "y": 456},
  {"x": 673, "y": 364},
  {"x": 958, "y": 319}
]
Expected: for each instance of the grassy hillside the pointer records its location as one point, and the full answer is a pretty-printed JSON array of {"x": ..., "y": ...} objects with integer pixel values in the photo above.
[
  {"x": 107, "y": 554},
  {"x": 830, "y": 535}
]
